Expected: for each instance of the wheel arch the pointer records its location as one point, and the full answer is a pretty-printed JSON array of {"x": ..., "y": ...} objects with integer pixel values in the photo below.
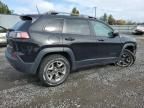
[
  {"x": 49, "y": 51},
  {"x": 130, "y": 46}
]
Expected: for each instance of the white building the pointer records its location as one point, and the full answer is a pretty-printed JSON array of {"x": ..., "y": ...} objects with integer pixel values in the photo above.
[{"x": 8, "y": 21}]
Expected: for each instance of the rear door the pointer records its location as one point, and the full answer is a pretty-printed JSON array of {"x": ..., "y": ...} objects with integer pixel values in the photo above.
[
  {"x": 47, "y": 31},
  {"x": 106, "y": 46},
  {"x": 77, "y": 36}
]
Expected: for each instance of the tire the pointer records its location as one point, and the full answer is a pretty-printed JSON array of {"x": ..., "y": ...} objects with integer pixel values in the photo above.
[
  {"x": 126, "y": 59},
  {"x": 50, "y": 69}
]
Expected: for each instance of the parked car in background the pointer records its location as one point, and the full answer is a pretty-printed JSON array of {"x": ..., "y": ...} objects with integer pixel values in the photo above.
[
  {"x": 6, "y": 22},
  {"x": 3, "y": 36},
  {"x": 139, "y": 29},
  {"x": 52, "y": 45}
]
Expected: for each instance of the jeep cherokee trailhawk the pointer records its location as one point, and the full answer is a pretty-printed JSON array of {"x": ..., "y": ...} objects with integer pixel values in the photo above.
[{"x": 53, "y": 44}]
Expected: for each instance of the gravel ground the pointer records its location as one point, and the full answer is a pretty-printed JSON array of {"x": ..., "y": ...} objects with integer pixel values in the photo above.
[{"x": 98, "y": 87}]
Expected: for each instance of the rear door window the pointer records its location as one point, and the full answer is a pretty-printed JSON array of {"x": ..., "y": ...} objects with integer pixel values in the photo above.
[
  {"x": 76, "y": 26},
  {"x": 53, "y": 25}
]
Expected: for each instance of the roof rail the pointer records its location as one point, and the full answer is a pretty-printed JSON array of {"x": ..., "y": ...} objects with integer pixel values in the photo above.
[{"x": 69, "y": 14}]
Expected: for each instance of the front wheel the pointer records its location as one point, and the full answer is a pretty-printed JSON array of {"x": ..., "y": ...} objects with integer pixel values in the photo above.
[
  {"x": 126, "y": 59},
  {"x": 54, "y": 70}
]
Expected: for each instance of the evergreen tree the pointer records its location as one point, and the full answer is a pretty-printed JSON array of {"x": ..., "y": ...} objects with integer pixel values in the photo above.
[
  {"x": 75, "y": 11},
  {"x": 4, "y": 9},
  {"x": 111, "y": 20}
]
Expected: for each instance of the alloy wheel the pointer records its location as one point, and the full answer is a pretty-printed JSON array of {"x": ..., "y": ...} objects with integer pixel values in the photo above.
[
  {"x": 55, "y": 71},
  {"x": 126, "y": 59}
]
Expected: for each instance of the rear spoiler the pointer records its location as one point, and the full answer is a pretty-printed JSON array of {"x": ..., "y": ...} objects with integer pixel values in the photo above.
[
  {"x": 25, "y": 18},
  {"x": 29, "y": 17}
]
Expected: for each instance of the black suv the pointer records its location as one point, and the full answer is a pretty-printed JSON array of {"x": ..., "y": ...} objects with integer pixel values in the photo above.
[{"x": 51, "y": 45}]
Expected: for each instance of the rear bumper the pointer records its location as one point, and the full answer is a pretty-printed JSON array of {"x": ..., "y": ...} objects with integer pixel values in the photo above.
[{"x": 18, "y": 64}]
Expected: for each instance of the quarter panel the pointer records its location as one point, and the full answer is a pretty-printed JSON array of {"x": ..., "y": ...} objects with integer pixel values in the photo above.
[{"x": 46, "y": 51}]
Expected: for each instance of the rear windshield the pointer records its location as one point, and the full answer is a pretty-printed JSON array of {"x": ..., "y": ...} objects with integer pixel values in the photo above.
[{"x": 22, "y": 25}]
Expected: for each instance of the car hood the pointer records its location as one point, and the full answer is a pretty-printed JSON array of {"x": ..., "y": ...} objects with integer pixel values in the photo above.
[{"x": 127, "y": 38}]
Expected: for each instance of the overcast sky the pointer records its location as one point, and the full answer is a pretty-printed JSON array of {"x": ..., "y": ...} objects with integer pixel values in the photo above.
[{"x": 120, "y": 9}]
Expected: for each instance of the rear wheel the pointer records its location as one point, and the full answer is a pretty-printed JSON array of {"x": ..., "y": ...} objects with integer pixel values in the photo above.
[
  {"x": 54, "y": 70},
  {"x": 126, "y": 59}
]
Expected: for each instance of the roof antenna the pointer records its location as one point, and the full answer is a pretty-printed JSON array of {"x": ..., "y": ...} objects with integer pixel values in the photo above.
[{"x": 37, "y": 9}]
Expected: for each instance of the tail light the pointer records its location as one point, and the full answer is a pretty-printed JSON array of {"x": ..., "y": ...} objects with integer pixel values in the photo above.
[
  {"x": 18, "y": 35},
  {"x": 22, "y": 35}
]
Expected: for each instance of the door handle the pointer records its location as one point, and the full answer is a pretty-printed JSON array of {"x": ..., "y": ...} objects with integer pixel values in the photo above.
[
  {"x": 100, "y": 40},
  {"x": 69, "y": 39}
]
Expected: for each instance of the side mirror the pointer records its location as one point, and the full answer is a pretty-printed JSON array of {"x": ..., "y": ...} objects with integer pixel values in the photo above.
[{"x": 115, "y": 33}]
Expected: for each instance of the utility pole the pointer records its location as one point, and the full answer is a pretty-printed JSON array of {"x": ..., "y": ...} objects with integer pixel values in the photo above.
[{"x": 95, "y": 11}]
